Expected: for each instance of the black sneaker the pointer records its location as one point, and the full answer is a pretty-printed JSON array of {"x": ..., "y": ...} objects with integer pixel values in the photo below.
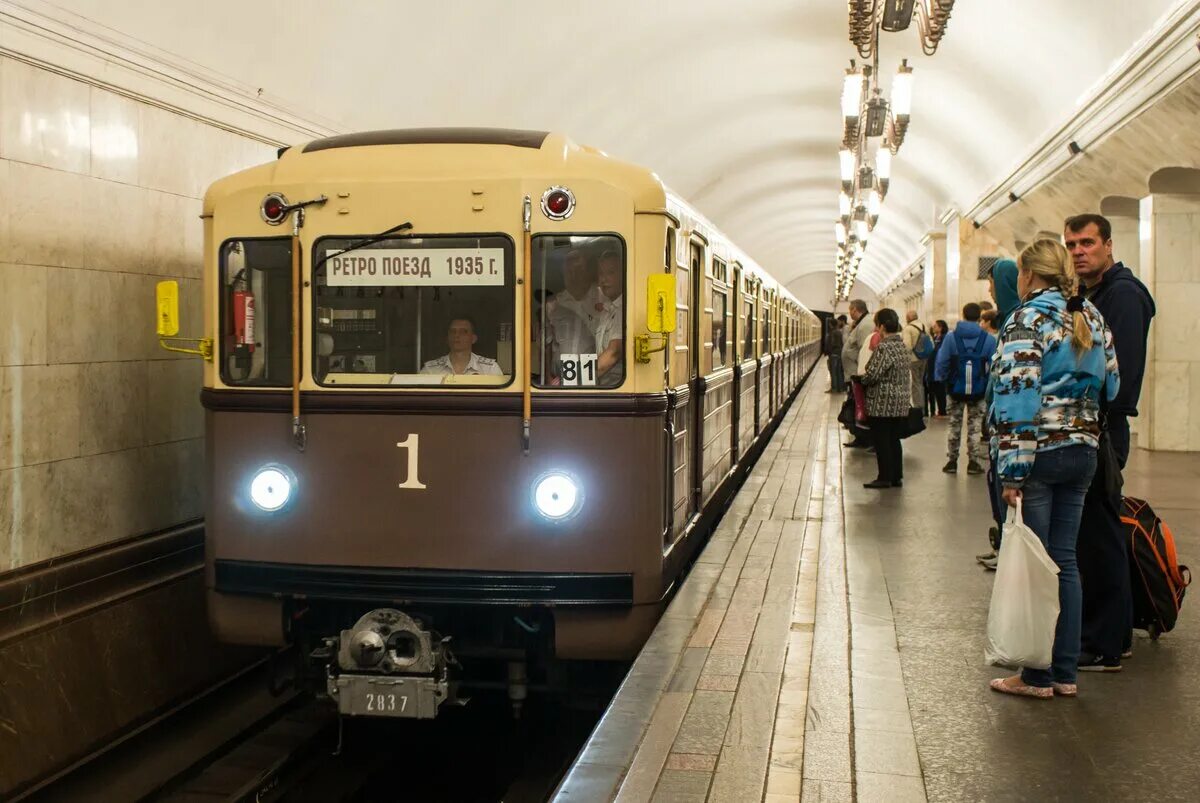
[
  {"x": 974, "y": 468},
  {"x": 1098, "y": 663},
  {"x": 991, "y": 563},
  {"x": 951, "y": 467},
  {"x": 986, "y": 556}
]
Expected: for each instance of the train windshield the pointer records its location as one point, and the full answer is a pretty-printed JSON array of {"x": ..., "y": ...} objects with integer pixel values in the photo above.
[
  {"x": 414, "y": 311},
  {"x": 578, "y": 326}
]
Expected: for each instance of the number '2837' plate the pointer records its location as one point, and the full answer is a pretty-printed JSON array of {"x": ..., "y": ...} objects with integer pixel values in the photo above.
[{"x": 374, "y": 696}]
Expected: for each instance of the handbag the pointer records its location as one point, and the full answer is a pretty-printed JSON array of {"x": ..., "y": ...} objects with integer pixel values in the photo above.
[
  {"x": 859, "y": 391},
  {"x": 914, "y": 423}
]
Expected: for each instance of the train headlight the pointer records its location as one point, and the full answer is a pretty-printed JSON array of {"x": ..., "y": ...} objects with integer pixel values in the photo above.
[
  {"x": 271, "y": 488},
  {"x": 557, "y": 495}
]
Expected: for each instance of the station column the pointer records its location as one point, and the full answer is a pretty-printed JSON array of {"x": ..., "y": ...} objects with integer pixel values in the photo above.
[
  {"x": 1169, "y": 407},
  {"x": 935, "y": 274}
]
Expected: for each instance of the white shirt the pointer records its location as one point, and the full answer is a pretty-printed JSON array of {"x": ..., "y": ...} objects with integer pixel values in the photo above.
[
  {"x": 476, "y": 365},
  {"x": 574, "y": 321},
  {"x": 609, "y": 321}
]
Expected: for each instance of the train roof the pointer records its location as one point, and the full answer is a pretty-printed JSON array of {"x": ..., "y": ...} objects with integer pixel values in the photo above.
[
  {"x": 445, "y": 153},
  {"x": 451, "y": 153}
]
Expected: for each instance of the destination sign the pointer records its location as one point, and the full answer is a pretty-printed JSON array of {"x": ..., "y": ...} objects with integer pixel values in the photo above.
[{"x": 415, "y": 267}]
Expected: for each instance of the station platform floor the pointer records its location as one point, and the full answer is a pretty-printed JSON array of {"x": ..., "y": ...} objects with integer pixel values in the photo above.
[{"x": 828, "y": 646}]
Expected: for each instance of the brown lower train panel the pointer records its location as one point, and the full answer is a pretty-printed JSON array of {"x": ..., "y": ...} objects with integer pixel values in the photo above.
[{"x": 422, "y": 585}]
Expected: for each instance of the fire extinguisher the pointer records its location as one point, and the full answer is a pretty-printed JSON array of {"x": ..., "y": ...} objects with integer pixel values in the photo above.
[{"x": 243, "y": 314}]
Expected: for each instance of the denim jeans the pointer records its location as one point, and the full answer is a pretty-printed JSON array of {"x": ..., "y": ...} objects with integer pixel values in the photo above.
[{"x": 1052, "y": 505}]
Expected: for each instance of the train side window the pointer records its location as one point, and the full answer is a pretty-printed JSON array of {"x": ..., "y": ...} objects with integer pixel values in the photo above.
[
  {"x": 720, "y": 305},
  {"x": 748, "y": 339},
  {"x": 256, "y": 312},
  {"x": 578, "y": 325},
  {"x": 414, "y": 311},
  {"x": 766, "y": 326}
]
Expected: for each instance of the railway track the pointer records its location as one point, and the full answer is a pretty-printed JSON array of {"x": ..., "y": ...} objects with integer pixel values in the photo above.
[{"x": 287, "y": 749}]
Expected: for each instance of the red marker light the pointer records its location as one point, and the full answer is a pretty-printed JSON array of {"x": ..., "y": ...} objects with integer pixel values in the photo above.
[
  {"x": 274, "y": 209},
  {"x": 558, "y": 203}
]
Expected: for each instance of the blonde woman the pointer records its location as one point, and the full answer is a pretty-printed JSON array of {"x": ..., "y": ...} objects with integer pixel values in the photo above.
[{"x": 1055, "y": 360}]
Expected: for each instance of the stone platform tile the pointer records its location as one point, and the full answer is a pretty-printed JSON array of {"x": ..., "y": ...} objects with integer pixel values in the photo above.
[{"x": 697, "y": 715}]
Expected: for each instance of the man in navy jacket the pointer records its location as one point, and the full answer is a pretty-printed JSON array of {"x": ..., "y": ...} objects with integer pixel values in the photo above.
[
  {"x": 1101, "y": 552},
  {"x": 1126, "y": 306}
]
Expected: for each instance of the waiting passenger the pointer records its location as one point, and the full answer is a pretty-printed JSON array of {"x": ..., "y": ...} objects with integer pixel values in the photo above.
[
  {"x": 935, "y": 392},
  {"x": 887, "y": 379},
  {"x": 1127, "y": 308},
  {"x": 987, "y": 319},
  {"x": 461, "y": 337},
  {"x": 610, "y": 320},
  {"x": 856, "y": 339},
  {"x": 576, "y": 309},
  {"x": 1056, "y": 359},
  {"x": 962, "y": 364}
]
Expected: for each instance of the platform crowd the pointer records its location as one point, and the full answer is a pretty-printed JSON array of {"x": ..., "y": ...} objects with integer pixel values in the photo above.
[{"x": 1044, "y": 377}]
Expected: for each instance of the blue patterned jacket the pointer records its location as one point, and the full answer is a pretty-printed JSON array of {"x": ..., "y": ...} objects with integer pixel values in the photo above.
[{"x": 1045, "y": 395}]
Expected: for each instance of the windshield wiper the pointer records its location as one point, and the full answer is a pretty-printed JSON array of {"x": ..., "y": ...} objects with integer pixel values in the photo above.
[{"x": 363, "y": 243}]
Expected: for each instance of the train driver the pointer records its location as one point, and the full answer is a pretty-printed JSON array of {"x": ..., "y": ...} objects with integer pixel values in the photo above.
[
  {"x": 611, "y": 318},
  {"x": 462, "y": 360},
  {"x": 576, "y": 309}
]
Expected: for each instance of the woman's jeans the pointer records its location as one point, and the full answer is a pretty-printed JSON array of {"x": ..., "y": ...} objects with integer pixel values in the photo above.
[{"x": 1052, "y": 504}]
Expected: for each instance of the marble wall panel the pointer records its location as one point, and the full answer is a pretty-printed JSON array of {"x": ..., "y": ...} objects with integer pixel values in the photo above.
[
  {"x": 168, "y": 217},
  {"x": 45, "y": 119},
  {"x": 7, "y": 509},
  {"x": 115, "y": 226},
  {"x": 173, "y": 410},
  {"x": 1193, "y": 420},
  {"x": 115, "y": 136},
  {"x": 39, "y": 414},
  {"x": 62, "y": 507},
  {"x": 5, "y": 203},
  {"x": 171, "y": 152},
  {"x": 112, "y": 406},
  {"x": 1177, "y": 319},
  {"x": 1177, "y": 243},
  {"x": 22, "y": 314},
  {"x": 1169, "y": 420},
  {"x": 45, "y": 211}
]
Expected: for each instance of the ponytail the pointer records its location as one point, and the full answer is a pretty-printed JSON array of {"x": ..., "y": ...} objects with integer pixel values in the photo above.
[
  {"x": 1050, "y": 260},
  {"x": 1081, "y": 335}
]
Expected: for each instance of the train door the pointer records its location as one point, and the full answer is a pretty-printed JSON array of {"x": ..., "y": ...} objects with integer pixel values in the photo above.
[
  {"x": 680, "y": 411},
  {"x": 696, "y": 265},
  {"x": 737, "y": 355}
]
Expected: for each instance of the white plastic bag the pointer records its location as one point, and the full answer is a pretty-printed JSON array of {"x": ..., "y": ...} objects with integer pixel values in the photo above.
[{"x": 1024, "y": 609}]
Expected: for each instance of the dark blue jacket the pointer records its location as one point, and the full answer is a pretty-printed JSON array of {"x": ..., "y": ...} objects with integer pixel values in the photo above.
[{"x": 1127, "y": 308}]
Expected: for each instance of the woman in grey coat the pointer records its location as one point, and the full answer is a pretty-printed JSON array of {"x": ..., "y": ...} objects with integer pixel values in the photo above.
[{"x": 888, "y": 397}]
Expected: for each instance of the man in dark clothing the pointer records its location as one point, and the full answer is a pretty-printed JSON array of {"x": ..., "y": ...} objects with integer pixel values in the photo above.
[{"x": 1101, "y": 550}]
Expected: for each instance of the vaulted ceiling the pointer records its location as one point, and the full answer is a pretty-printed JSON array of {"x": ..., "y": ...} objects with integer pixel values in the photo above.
[{"x": 736, "y": 106}]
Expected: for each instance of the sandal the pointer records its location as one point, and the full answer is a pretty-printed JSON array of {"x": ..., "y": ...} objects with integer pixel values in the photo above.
[
  {"x": 1014, "y": 685},
  {"x": 1065, "y": 689}
]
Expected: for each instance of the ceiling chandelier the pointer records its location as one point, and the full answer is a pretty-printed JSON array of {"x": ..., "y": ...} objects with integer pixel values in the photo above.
[
  {"x": 869, "y": 17},
  {"x": 873, "y": 127}
]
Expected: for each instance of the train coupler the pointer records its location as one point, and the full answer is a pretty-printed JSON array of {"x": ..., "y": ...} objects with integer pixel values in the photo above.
[{"x": 388, "y": 666}]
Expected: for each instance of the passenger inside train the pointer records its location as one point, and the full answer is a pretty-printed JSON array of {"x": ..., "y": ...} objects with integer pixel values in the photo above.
[{"x": 581, "y": 320}]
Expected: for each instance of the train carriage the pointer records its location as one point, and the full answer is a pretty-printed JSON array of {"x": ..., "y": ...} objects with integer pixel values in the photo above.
[{"x": 474, "y": 398}]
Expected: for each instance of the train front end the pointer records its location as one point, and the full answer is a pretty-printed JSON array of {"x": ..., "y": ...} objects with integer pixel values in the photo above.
[{"x": 430, "y": 454}]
